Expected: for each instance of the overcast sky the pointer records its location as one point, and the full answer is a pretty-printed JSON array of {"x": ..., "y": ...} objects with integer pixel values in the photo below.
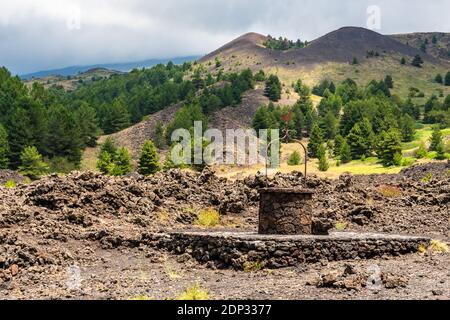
[{"x": 44, "y": 34}]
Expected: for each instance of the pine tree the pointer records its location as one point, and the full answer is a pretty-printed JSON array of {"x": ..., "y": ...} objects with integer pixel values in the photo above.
[
  {"x": 88, "y": 124},
  {"x": 389, "y": 147},
  {"x": 105, "y": 162},
  {"x": 315, "y": 141},
  {"x": 439, "y": 79},
  {"x": 4, "y": 148},
  {"x": 440, "y": 151},
  {"x": 32, "y": 165},
  {"x": 323, "y": 162},
  {"x": 160, "y": 141},
  {"x": 447, "y": 79},
  {"x": 345, "y": 152},
  {"x": 109, "y": 146},
  {"x": 389, "y": 82},
  {"x": 436, "y": 138},
  {"x": 273, "y": 88},
  {"x": 117, "y": 118},
  {"x": 403, "y": 61},
  {"x": 122, "y": 163},
  {"x": 63, "y": 137},
  {"x": 338, "y": 141},
  {"x": 407, "y": 128},
  {"x": 421, "y": 151},
  {"x": 359, "y": 141},
  {"x": 19, "y": 134},
  {"x": 329, "y": 125},
  {"x": 149, "y": 159},
  {"x": 417, "y": 61}
]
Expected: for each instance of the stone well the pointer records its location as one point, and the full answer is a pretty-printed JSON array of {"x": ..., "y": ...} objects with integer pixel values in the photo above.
[{"x": 285, "y": 211}]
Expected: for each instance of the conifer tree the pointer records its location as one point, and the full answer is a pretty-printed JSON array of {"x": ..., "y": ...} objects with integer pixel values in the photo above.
[
  {"x": 88, "y": 124},
  {"x": 417, "y": 61},
  {"x": 447, "y": 79},
  {"x": 389, "y": 82},
  {"x": 117, "y": 118},
  {"x": 407, "y": 128},
  {"x": 149, "y": 159},
  {"x": 345, "y": 152},
  {"x": 273, "y": 88},
  {"x": 32, "y": 165},
  {"x": 338, "y": 141},
  {"x": 315, "y": 141},
  {"x": 389, "y": 147},
  {"x": 122, "y": 163},
  {"x": 436, "y": 138},
  {"x": 4, "y": 148},
  {"x": 323, "y": 162}
]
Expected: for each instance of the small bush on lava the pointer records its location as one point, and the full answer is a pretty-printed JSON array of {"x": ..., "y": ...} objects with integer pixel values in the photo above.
[
  {"x": 10, "y": 184},
  {"x": 253, "y": 266},
  {"x": 341, "y": 226},
  {"x": 390, "y": 191},
  {"x": 427, "y": 178},
  {"x": 196, "y": 292},
  {"x": 438, "y": 247},
  {"x": 208, "y": 218}
]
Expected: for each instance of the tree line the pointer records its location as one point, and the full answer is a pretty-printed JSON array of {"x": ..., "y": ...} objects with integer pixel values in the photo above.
[{"x": 354, "y": 122}]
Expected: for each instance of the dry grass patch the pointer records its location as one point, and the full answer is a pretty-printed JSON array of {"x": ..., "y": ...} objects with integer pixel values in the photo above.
[
  {"x": 253, "y": 266},
  {"x": 341, "y": 226},
  {"x": 390, "y": 191},
  {"x": 437, "y": 246},
  {"x": 195, "y": 292}
]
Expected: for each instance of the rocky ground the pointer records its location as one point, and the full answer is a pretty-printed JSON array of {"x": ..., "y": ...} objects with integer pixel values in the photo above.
[{"x": 83, "y": 236}]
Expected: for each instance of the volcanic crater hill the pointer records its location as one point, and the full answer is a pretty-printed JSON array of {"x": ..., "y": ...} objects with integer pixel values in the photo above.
[{"x": 337, "y": 46}]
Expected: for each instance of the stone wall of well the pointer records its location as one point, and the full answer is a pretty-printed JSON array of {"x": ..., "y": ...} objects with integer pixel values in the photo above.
[
  {"x": 228, "y": 250},
  {"x": 285, "y": 212}
]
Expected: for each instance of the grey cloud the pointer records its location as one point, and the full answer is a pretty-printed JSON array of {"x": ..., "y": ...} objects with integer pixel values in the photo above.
[{"x": 35, "y": 38}]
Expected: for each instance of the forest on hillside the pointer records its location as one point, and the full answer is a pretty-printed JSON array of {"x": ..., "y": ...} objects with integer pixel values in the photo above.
[{"x": 56, "y": 126}]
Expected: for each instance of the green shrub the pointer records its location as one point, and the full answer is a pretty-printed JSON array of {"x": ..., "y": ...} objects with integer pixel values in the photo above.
[
  {"x": 253, "y": 266},
  {"x": 427, "y": 178},
  {"x": 10, "y": 184},
  {"x": 32, "y": 165},
  {"x": 422, "y": 151},
  {"x": 407, "y": 162},
  {"x": 294, "y": 159},
  {"x": 208, "y": 218}
]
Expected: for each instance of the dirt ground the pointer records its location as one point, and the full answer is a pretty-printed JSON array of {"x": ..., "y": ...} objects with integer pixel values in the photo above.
[
  {"x": 81, "y": 236},
  {"x": 139, "y": 274}
]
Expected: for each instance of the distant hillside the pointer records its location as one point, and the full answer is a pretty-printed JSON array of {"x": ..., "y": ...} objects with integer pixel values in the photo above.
[
  {"x": 436, "y": 44},
  {"x": 69, "y": 83},
  {"x": 123, "y": 67},
  {"x": 331, "y": 56}
]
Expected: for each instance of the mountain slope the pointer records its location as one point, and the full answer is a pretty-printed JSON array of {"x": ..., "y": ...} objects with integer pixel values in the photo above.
[
  {"x": 437, "y": 44},
  {"x": 123, "y": 67},
  {"x": 331, "y": 56},
  {"x": 337, "y": 46}
]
